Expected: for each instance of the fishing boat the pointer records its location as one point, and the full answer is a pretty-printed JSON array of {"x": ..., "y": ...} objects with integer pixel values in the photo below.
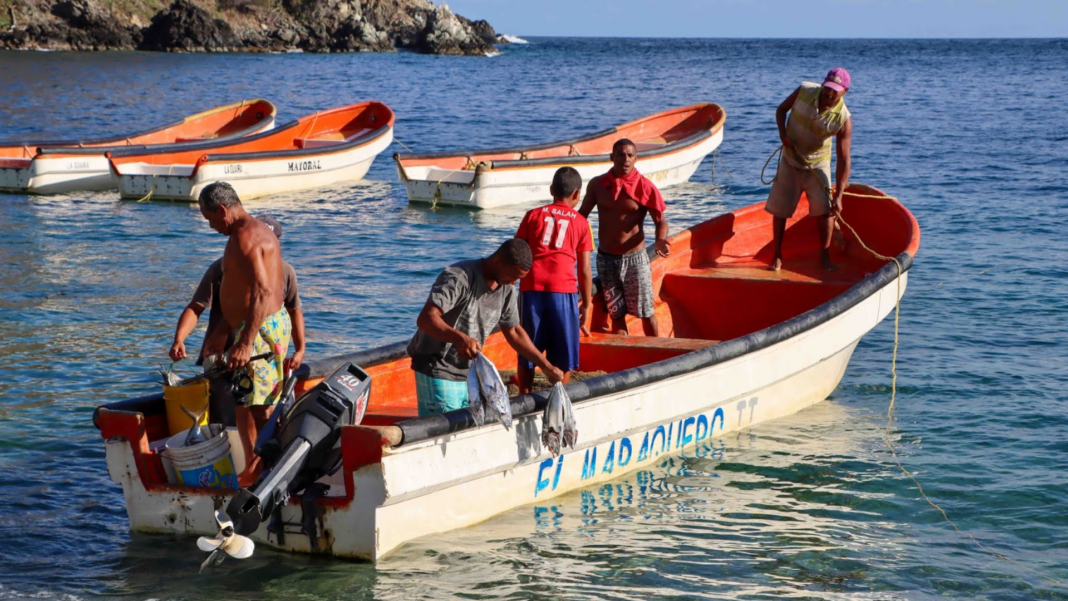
[
  {"x": 670, "y": 145},
  {"x": 57, "y": 167},
  {"x": 327, "y": 147},
  {"x": 742, "y": 345}
]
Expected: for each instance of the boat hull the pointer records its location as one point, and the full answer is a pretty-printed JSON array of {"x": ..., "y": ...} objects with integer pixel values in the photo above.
[
  {"x": 502, "y": 187},
  {"x": 251, "y": 177},
  {"x": 58, "y": 176},
  {"x": 459, "y": 479}
]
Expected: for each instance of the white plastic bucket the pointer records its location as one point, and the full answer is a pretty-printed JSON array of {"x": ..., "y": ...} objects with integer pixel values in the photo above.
[{"x": 207, "y": 464}]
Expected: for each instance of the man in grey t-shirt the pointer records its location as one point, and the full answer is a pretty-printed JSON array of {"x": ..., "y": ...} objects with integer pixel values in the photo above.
[{"x": 467, "y": 302}]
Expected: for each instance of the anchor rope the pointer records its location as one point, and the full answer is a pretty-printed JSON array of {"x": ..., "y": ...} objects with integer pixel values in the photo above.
[
  {"x": 717, "y": 156},
  {"x": 893, "y": 380}
]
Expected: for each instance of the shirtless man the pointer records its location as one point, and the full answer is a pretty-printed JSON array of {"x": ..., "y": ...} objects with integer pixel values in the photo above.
[
  {"x": 251, "y": 295},
  {"x": 622, "y": 198},
  {"x": 817, "y": 114},
  {"x": 221, "y": 405}
]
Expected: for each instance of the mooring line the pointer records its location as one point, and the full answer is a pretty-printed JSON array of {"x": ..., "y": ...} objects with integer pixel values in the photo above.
[{"x": 893, "y": 381}]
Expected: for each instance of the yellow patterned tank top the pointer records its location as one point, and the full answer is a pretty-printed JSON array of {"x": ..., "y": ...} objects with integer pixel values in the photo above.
[{"x": 810, "y": 130}]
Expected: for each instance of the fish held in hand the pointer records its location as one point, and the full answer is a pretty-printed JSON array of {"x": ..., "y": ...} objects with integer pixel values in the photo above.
[
  {"x": 474, "y": 398},
  {"x": 492, "y": 389},
  {"x": 558, "y": 427}
]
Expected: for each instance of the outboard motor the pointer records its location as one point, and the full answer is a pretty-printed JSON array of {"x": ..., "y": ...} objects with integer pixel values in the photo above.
[{"x": 306, "y": 446}]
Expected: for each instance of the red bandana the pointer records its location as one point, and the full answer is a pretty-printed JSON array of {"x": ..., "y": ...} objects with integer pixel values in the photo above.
[{"x": 637, "y": 187}]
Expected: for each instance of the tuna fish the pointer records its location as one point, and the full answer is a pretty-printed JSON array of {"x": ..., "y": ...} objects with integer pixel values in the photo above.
[
  {"x": 474, "y": 397},
  {"x": 558, "y": 422},
  {"x": 491, "y": 391},
  {"x": 195, "y": 436}
]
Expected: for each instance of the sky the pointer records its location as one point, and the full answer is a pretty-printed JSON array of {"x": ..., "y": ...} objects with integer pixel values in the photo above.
[{"x": 773, "y": 18}]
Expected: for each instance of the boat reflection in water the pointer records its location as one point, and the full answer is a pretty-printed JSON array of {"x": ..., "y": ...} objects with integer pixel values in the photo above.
[{"x": 787, "y": 507}]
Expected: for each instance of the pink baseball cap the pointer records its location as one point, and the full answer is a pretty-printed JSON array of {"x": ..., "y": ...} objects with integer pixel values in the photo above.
[{"x": 837, "y": 79}]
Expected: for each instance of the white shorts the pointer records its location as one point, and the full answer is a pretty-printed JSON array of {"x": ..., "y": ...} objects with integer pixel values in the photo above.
[{"x": 791, "y": 181}]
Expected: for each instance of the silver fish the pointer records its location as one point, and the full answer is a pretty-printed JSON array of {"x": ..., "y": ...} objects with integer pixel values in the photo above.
[
  {"x": 474, "y": 397},
  {"x": 494, "y": 392},
  {"x": 558, "y": 422},
  {"x": 195, "y": 436}
]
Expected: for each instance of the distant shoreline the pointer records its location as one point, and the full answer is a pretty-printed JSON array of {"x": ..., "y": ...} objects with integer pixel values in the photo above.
[{"x": 245, "y": 26}]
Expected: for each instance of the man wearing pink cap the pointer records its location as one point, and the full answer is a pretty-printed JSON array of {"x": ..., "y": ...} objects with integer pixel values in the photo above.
[{"x": 817, "y": 114}]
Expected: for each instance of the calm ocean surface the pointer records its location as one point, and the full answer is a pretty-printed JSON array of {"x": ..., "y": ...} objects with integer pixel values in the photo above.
[{"x": 971, "y": 135}]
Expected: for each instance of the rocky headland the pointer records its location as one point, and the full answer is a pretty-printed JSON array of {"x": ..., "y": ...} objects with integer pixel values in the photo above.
[{"x": 243, "y": 26}]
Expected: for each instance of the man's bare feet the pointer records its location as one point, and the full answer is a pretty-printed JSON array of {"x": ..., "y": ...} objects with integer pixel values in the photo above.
[{"x": 775, "y": 265}]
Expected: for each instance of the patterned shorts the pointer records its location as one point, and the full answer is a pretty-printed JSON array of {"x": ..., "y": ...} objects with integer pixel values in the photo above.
[
  {"x": 267, "y": 374},
  {"x": 627, "y": 283}
]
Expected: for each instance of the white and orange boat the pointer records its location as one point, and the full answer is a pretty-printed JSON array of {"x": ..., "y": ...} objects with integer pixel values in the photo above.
[
  {"x": 743, "y": 345},
  {"x": 56, "y": 167},
  {"x": 671, "y": 146},
  {"x": 327, "y": 147}
]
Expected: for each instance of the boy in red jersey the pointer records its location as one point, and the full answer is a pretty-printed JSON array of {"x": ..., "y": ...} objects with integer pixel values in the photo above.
[{"x": 556, "y": 303}]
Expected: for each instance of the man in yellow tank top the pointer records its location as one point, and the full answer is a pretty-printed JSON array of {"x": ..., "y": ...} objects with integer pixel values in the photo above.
[{"x": 817, "y": 114}]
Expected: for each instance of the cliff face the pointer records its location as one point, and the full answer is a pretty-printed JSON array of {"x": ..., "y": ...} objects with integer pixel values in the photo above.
[{"x": 242, "y": 25}]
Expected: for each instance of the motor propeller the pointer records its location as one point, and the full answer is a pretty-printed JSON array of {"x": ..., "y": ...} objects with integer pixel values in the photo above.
[{"x": 226, "y": 542}]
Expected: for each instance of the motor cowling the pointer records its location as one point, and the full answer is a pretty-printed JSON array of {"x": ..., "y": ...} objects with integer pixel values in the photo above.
[{"x": 306, "y": 445}]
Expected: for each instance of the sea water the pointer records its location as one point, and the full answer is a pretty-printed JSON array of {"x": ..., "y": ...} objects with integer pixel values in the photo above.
[{"x": 971, "y": 135}]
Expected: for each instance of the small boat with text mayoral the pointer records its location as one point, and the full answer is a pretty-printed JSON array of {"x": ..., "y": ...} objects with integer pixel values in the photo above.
[
  {"x": 327, "y": 147},
  {"x": 670, "y": 145},
  {"x": 58, "y": 166},
  {"x": 358, "y": 473}
]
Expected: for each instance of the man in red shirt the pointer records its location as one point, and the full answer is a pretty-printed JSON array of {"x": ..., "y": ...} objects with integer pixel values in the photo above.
[{"x": 556, "y": 303}]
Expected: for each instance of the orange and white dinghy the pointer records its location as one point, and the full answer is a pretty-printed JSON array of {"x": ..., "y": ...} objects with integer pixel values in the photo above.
[
  {"x": 57, "y": 167},
  {"x": 740, "y": 345},
  {"x": 671, "y": 146},
  {"x": 327, "y": 147}
]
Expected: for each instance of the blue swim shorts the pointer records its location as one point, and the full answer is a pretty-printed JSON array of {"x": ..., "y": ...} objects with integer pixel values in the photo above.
[
  {"x": 551, "y": 319},
  {"x": 436, "y": 396}
]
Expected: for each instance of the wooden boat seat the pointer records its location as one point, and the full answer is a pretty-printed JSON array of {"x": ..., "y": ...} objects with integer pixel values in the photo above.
[
  {"x": 329, "y": 139},
  {"x": 611, "y": 353},
  {"x": 206, "y": 136}
]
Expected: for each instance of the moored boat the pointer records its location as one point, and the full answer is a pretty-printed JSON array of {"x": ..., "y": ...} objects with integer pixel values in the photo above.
[
  {"x": 327, "y": 147},
  {"x": 56, "y": 167},
  {"x": 743, "y": 345},
  {"x": 670, "y": 144}
]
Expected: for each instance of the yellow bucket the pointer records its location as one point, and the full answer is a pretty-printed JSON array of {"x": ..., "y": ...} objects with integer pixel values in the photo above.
[{"x": 193, "y": 397}]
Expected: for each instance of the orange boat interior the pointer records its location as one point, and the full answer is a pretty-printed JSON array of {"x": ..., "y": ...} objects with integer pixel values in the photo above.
[
  {"x": 319, "y": 130},
  {"x": 209, "y": 125},
  {"x": 648, "y": 133}
]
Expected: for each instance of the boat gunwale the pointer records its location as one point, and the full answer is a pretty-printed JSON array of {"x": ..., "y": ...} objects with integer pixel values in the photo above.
[
  {"x": 300, "y": 152},
  {"x": 65, "y": 146},
  {"x": 677, "y": 145},
  {"x": 127, "y": 152},
  {"x": 400, "y": 158}
]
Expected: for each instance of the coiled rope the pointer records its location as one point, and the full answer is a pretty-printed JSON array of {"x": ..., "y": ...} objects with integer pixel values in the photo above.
[{"x": 893, "y": 378}]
